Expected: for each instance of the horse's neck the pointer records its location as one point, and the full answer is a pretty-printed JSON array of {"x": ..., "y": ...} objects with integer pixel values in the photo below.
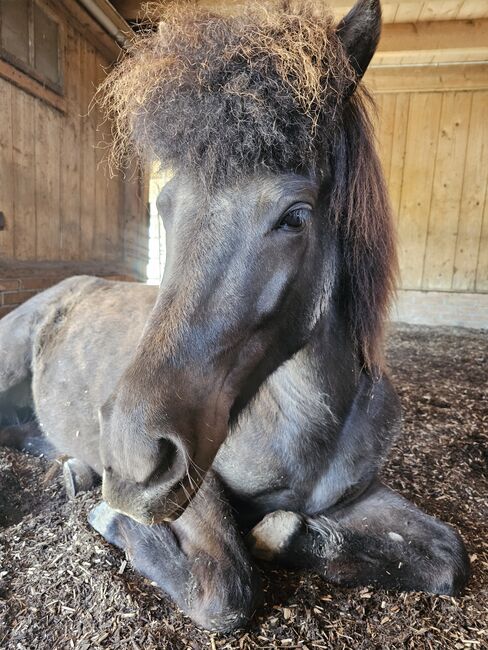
[{"x": 318, "y": 383}]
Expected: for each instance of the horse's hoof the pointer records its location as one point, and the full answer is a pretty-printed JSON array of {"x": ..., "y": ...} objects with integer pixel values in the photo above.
[
  {"x": 78, "y": 477},
  {"x": 272, "y": 536},
  {"x": 104, "y": 520}
]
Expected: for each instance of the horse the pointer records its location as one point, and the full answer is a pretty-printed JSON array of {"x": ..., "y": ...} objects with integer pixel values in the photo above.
[{"x": 241, "y": 410}]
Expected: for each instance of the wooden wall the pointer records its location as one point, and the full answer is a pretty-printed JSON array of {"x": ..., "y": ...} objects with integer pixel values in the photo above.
[
  {"x": 58, "y": 198},
  {"x": 433, "y": 142}
]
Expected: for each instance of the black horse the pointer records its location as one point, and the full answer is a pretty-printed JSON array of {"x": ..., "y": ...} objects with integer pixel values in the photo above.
[{"x": 243, "y": 408}]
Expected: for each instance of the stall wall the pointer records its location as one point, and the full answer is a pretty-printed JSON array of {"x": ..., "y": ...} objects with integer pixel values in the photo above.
[
  {"x": 433, "y": 142},
  {"x": 59, "y": 201}
]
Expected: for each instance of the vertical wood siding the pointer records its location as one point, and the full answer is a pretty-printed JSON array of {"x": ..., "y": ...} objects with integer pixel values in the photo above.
[
  {"x": 59, "y": 199},
  {"x": 434, "y": 151}
]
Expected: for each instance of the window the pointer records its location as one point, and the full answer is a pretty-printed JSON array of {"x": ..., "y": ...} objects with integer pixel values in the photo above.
[{"x": 30, "y": 40}]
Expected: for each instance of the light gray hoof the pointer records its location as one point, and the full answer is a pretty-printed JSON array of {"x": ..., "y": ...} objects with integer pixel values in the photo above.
[
  {"x": 78, "y": 477},
  {"x": 271, "y": 537},
  {"x": 105, "y": 521}
]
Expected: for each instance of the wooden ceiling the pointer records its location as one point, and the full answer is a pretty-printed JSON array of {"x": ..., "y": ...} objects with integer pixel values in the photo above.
[
  {"x": 414, "y": 33},
  {"x": 393, "y": 12}
]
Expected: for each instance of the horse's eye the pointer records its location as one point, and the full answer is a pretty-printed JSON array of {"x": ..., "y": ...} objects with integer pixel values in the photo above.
[{"x": 295, "y": 218}]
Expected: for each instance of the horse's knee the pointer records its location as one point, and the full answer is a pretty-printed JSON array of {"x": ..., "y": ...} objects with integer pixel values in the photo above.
[
  {"x": 452, "y": 568},
  {"x": 272, "y": 536},
  {"x": 224, "y": 600}
]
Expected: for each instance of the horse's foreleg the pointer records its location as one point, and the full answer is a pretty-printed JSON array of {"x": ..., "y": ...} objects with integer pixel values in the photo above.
[
  {"x": 199, "y": 560},
  {"x": 380, "y": 539}
]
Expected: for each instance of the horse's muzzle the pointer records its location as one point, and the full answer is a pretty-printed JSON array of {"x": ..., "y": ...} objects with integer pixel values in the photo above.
[{"x": 149, "y": 504}]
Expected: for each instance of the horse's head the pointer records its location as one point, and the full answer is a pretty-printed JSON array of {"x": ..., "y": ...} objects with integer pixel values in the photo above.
[{"x": 276, "y": 208}]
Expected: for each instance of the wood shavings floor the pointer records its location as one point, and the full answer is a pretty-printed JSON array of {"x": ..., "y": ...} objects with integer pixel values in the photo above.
[{"x": 61, "y": 586}]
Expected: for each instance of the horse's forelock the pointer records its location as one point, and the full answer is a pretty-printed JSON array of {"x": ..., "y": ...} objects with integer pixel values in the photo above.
[{"x": 220, "y": 96}]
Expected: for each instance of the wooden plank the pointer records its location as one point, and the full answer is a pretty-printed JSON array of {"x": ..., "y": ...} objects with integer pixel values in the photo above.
[
  {"x": 458, "y": 56},
  {"x": 443, "y": 35},
  {"x": 398, "y": 152},
  {"x": 473, "y": 9},
  {"x": 446, "y": 191},
  {"x": 100, "y": 229},
  {"x": 407, "y": 12},
  {"x": 375, "y": 115},
  {"x": 475, "y": 183},
  {"x": 136, "y": 234},
  {"x": 386, "y": 131},
  {"x": 440, "y": 78},
  {"x": 70, "y": 153},
  {"x": 481, "y": 283},
  {"x": 47, "y": 172},
  {"x": 6, "y": 170},
  {"x": 130, "y": 217},
  {"x": 31, "y": 86},
  {"x": 425, "y": 55},
  {"x": 444, "y": 10},
  {"x": 88, "y": 153},
  {"x": 415, "y": 58},
  {"x": 482, "y": 267},
  {"x": 440, "y": 308},
  {"x": 389, "y": 10},
  {"x": 24, "y": 162},
  {"x": 438, "y": 10},
  {"x": 114, "y": 247},
  {"x": 421, "y": 145}
]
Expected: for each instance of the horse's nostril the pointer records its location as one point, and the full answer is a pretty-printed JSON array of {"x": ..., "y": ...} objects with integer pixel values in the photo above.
[{"x": 169, "y": 457}]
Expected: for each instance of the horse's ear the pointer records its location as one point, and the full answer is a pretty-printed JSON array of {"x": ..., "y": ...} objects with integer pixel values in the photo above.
[{"x": 359, "y": 32}]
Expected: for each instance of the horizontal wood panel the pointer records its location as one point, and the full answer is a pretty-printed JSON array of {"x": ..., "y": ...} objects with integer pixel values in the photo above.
[
  {"x": 427, "y": 78},
  {"x": 455, "y": 34},
  {"x": 393, "y": 12}
]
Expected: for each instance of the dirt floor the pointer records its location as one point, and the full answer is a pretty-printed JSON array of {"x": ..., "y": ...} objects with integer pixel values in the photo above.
[{"x": 62, "y": 586}]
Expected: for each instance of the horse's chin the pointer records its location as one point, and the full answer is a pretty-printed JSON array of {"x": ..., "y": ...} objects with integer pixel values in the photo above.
[{"x": 152, "y": 504}]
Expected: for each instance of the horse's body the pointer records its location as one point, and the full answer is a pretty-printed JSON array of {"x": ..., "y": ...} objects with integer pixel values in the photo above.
[
  {"x": 298, "y": 467},
  {"x": 251, "y": 378}
]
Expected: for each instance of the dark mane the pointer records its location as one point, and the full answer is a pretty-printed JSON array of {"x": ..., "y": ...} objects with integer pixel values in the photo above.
[
  {"x": 361, "y": 208},
  {"x": 269, "y": 89}
]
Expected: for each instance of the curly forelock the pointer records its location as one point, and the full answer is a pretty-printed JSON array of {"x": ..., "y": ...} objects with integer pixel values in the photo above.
[{"x": 219, "y": 95}]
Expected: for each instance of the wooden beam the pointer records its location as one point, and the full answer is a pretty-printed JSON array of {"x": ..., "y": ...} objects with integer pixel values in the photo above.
[
  {"x": 393, "y": 12},
  {"x": 444, "y": 35},
  {"x": 427, "y": 78},
  {"x": 129, "y": 9},
  {"x": 31, "y": 86}
]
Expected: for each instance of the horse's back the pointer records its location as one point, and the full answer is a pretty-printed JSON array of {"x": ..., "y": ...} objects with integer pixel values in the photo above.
[
  {"x": 54, "y": 342},
  {"x": 18, "y": 330}
]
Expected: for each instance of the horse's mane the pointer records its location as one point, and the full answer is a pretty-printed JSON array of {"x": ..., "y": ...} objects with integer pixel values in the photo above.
[{"x": 222, "y": 96}]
